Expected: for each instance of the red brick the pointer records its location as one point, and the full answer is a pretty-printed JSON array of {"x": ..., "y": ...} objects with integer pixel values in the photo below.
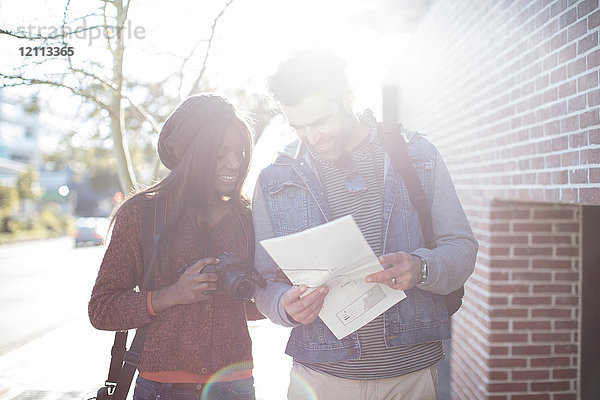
[
  {"x": 594, "y": 136},
  {"x": 589, "y": 195},
  {"x": 567, "y": 373},
  {"x": 576, "y": 67},
  {"x": 567, "y": 276},
  {"x": 569, "y": 195},
  {"x": 498, "y": 350},
  {"x": 507, "y": 387},
  {"x": 590, "y": 156},
  {"x": 513, "y": 239},
  {"x": 510, "y": 263},
  {"x": 559, "y": 109},
  {"x": 567, "y": 89},
  {"x": 539, "y": 239},
  {"x": 578, "y": 176},
  {"x": 532, "y": 276},
  {"x": 507, "y": 362},
  {"x": 569, "y": 124},
  {"x": 508, "y": 313},
  {"x": 537, "y": 396},
  {"x": 570, "y": 159},
  {"x": 589, "y": 118},
  {"x": 552, "y": 264},
  {"x": 587, "y": 81},
  {"x": 568, "y": 251},
  {"x": 594, "y": 175},
  {"x": 586, "y": 7},
  {"x": 509, "y": 288},
  {"x": 566, "y": 301},
  {"x": 550, "y": 362},
  {"x": 553, "y": 160},
  {"x": 496, "y": 337},
  {"x": 531, "y": 227},
  {"x": 570, "y": 325},
  {"x": 551, "y": 337},
  {"x": 534, "y": 374},
  {"x": 556, "y": 213},
  {"x": 499, "y": 325},
  {"x": 550, "y": 386},
  {"x": 567, "y": 226},
  {"x": 565, "y": 349},
  {"x": 498, "y": 301},
  {"x": 551, "y": 313},
  {"x": 577, "y": 103},
  {"x": 593, "y": 98},
  {"x": 510, "y": 214},
  {"x": 568, "y": 18},
  {"x": 594, "y": 20},
  {"x": 558, "y": 7},
  {"x": 587, "y": 43},
  {"x": 498, "y": 375},
  {"x": 577, "y": 30},
  {"x": 559, "y": 74},
  {"x": 532, "y": 350},
  {"x": 550, "y": 289},
  {"x": 565, "y": 396},
  {"x": 532, "y": 325},
  {"x": 580, "y": 139},
  {"x": 532, "y": 251}
]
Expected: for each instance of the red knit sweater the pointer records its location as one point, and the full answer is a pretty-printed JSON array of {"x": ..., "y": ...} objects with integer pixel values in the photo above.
[{"x": 185, "y": 343}]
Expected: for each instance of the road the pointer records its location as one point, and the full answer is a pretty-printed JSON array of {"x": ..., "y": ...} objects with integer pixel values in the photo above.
[{"x": 49, "y": 350}]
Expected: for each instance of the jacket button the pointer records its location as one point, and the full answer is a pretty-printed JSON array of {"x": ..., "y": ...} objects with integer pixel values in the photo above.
[
  {"x": 208, "y": 307},
  {"x": 204, "y": 370}
]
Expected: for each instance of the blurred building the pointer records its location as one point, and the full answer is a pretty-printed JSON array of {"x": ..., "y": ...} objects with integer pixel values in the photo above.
[
  {"x": 25, "y": 134},
  {"x": 509, "y": 93}
]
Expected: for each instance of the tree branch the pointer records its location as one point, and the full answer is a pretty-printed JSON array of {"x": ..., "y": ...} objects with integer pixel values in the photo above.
[{"x": 196, "y": 84}]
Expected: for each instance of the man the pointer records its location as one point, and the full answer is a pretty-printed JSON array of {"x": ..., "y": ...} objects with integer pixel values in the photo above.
[{"x": 339, "y": 167}]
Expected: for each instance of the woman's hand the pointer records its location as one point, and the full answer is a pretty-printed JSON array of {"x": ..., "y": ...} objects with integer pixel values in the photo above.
[{"x": 192, "y": 286}]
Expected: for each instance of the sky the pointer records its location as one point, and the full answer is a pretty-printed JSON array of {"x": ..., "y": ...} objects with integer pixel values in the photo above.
[{"x": 252, "y": 37}]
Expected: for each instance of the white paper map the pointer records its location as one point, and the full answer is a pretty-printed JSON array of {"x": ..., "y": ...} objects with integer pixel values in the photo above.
[{"x": 336, "y": 255}]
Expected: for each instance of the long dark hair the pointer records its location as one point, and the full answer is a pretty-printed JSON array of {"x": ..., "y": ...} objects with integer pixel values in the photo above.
[{"x": 188, "y": 186}]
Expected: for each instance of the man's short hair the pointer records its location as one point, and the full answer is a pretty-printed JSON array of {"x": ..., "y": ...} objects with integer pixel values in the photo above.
[{"x": 308, "y": 71}]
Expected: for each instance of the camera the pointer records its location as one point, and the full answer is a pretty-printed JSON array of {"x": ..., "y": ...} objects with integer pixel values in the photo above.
[{"x": 234, "y": 277}]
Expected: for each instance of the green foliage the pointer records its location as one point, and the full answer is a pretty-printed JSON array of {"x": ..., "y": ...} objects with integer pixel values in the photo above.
[
  {"x": 27, "y": 184},
  {"x": 9, "y": 201}
]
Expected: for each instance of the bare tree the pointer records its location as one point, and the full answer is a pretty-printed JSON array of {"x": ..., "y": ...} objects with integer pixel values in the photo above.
[{"x": 103, "y": 86}]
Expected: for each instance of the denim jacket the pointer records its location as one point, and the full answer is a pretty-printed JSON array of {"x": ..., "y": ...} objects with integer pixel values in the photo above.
[{"x": 289, "y": 198}]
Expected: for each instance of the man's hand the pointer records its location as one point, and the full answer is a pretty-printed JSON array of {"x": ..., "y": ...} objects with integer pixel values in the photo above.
[
  {"x": 401, "y": 271},
  {"x": 304, "y": 310}
]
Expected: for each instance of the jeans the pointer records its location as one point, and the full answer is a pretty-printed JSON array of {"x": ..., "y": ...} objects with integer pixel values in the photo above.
[{"x": 234, "y": 390}]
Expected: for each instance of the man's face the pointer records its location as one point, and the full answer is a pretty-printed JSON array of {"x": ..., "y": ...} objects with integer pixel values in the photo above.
[{"x": 321, "y": 121}]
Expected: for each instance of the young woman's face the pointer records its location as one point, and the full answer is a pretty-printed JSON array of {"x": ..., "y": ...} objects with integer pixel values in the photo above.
[{"x": 230, "y": 160}]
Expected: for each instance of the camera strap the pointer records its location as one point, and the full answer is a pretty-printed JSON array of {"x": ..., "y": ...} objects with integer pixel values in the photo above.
[{"x": 124, "y": 363}]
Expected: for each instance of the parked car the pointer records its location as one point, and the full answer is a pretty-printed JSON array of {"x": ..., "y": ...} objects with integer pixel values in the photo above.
[{"x": 91, "y": 230}]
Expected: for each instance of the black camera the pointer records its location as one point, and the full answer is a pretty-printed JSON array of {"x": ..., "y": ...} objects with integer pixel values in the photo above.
[{"x": 234, "y": 277}]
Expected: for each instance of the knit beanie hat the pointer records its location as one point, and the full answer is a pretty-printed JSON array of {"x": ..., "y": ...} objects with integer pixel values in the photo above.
[{"x": 183, "y": 125}]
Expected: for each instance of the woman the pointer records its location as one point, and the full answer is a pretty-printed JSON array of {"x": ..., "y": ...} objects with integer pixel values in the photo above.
[{"x": 196, "y": 336}]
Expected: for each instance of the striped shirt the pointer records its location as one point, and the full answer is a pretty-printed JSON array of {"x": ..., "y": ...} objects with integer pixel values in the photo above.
[{"x": 362, "y": 171}]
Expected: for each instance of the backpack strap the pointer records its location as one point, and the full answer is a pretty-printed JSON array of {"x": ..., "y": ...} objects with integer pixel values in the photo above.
[
  {"x": 153, "y": 222},
  {"x": 395, "y": 145}
]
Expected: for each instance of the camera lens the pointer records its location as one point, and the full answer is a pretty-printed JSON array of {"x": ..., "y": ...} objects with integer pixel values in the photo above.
[
  {"x": 238, "y": 284},
  {"x": 244, "y": 289}
]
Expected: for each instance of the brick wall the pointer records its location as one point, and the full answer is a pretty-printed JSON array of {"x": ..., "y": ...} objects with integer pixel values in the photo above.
[
  {"x": 517, "y": 336},
  {"x": 509, "y": 92}
]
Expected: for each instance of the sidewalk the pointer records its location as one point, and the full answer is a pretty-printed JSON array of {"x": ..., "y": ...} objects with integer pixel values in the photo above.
[{"x": 71, "y": 362}]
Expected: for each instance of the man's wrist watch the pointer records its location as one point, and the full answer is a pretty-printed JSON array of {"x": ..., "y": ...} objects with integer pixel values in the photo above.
[{"x": 423, "y": 270}]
